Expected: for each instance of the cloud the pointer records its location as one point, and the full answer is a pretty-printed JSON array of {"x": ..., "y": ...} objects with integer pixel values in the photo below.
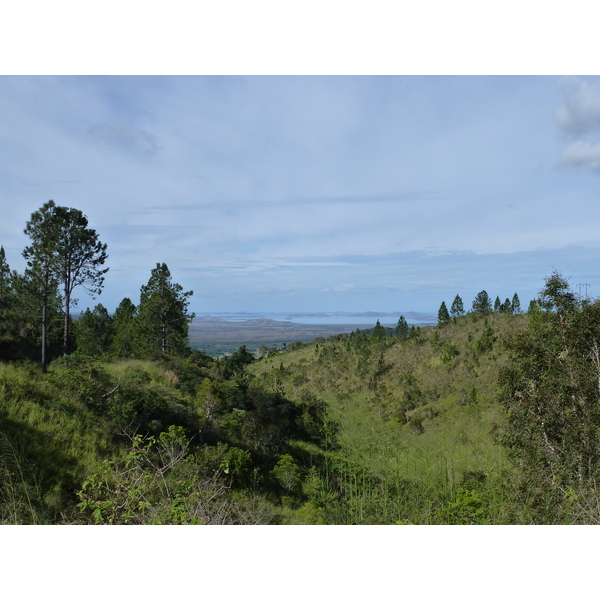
[
  {"x": 580, "y": 114},
  {"x": 340, "y": 289},
  {"x": 133, "y": 140},
  {"x": 579, "y": 118},
  {"x": 585, "y": 155}
]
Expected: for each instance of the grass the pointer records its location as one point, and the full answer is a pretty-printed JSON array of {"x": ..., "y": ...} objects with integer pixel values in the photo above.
[{"x": 416, "y": 421}]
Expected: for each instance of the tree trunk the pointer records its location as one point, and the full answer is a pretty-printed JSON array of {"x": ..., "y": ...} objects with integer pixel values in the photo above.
[
  {"x": 44, "y": 330},
  {"x": 67, "y": 331}
]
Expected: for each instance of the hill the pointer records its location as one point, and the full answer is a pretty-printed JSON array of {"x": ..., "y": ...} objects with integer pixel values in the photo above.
[
  {"x": 488, "y": 419},
  {"x": 415, "y": 419},
  {"x": 356, "y": 428}
]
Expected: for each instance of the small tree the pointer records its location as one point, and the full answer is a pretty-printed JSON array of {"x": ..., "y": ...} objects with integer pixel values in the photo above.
[
  {"x": 457, "y": 309},
  {"x": 287, "y": 473},
  {"x": 443, "y": 315},
  {"x": 378, "y": 331},
  {"x": 515, "y": 307},
  {"x": 124, "y": 342},
  {"x": 209, "y": 399},
  {"x": 482, "y": 304},
  {"x": 402, "y": 327},
  {"x": 497, "y": 305},
  {"x": 94, "y": 331}
]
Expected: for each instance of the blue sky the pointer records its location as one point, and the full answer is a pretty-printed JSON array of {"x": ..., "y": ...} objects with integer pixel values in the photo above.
[{"x": 294, "y": 193}]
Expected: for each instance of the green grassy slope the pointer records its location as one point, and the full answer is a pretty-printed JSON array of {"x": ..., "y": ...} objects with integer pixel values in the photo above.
[
  {"x": 56, "y": 430},
  {"x": 419, "y": 412},
  {"x": 363, "y": 429}
]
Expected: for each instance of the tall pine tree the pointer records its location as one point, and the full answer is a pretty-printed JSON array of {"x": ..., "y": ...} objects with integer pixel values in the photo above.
[
  {"x": 402, "y": 327},
  {"x": 125, "y": 344},
  {"x": 68, "y": 252},
  {"x": 482, "y": 303},
  {"x": 443, "y": 314},
  {"x": 162, "y": 318},
  {"x": 457, "y": 309},
  {"x": 516, "y": 305}
]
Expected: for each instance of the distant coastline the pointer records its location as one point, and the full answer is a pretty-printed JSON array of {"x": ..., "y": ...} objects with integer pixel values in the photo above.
[
  {"x": 219, "y": 333},
  {"x": 360, "y": 319}
]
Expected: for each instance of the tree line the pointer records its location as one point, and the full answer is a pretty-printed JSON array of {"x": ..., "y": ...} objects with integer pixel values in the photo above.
[
  {"x": 482, "y": 305},
  {"x": 65, "y": 254}
]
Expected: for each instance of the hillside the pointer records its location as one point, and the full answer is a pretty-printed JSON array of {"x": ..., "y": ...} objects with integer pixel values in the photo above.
[
  {"x": 358, "y": 428},
  {"x": 488, "y": 419},
  {"x": 417, "y": 414}
]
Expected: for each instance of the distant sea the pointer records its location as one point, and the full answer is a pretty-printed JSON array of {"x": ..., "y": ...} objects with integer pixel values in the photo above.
[{"x": 358, "y": 319}]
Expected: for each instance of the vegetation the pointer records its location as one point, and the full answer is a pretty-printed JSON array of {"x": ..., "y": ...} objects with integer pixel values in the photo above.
[{"x": 490, "y": 417}]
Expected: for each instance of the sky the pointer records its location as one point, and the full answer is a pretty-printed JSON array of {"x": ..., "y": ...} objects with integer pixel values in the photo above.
[{"x": 313, "y": 193}]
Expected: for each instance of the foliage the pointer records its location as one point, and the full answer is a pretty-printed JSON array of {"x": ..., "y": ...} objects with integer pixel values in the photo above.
[
  {"x": 162, "y": 318},
  {"x": 378, "y": 332},
  {"x": 482, "y": 303},
  {"x": 515, "y": 307},
  {"x": 402, "y": 327},
  {"x": 238, "y": 360},
  {"x": 457, "y": 309},
  {"x": 67, "y": 251},
  {"x": 287, "y": 473},
  {"x": 443, "y": 315},
  {"x": 94, "y": 331},
  {"x": 156, "y": 483},
  {"x": 551, "y": 393},
  {"x": 486, "y": 341},
  {"x": 124, "y": 344}
]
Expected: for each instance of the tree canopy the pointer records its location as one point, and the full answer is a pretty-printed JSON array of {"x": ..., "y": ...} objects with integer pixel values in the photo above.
[
  {"x": 457, "y": 309},
  {"x": 482, "y": 303},
  {"x": 162, "y": 314},
  {"x": 551, "y": 394},
  {"x": 65, "y": 250},
  {"x": 443, "y": 314}
]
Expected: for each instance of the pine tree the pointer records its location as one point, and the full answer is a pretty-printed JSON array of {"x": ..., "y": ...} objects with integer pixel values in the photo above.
[
  {"x": 40, "y": 280},
  {"x": 482, "y": 304},
  {"x": 69, "y": 252},
  {"x": 4, "y": 279},
  {"x": 162, "y": 314},
  {"x": 94, "y": 331},
  {"x": 125, "y": 343},
  {"x": 378, "y": 331},
  {"x": 443, "y": 315},
  {"x": 457, "y": 309},
  {"x": 497, "y": 305},
  {"x": 402, "y": 327},
  {"x": 516, "y": 305}
]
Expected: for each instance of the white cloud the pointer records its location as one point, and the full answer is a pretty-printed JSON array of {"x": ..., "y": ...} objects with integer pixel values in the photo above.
[
  {"x": 585, "y": 155},
  {"x": 579, "y": 118},
  {"x": 340, "y": 289}
]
